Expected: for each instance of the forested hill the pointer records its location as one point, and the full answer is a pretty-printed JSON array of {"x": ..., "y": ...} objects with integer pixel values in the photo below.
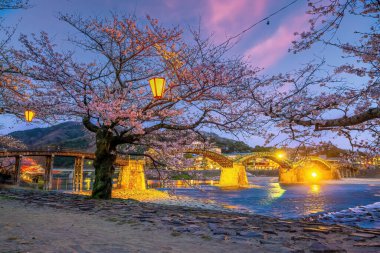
[{"x": 72, "y": 135}]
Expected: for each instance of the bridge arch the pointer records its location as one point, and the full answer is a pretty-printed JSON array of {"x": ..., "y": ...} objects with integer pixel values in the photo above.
[
  {"x": 324, "y": 170},
  {"x": 284, "y": 163},
  {"x": 220, "y": 159},
  {"x": 314, "y": 159},
  {"x": 232, "y": 174}
]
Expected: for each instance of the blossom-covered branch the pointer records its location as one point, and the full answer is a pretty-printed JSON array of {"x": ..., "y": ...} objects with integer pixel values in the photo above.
[{"x": 107, "y": 87}]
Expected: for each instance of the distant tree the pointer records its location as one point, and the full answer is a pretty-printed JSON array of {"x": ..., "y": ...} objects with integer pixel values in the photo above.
[
  {"x": 110, "y": 91},
  {"x": 13, "y": 4},
  {"x": 345, "y": 100},
  {"x": 8, "y": 142},
  {"x": 258, "y": 148}
]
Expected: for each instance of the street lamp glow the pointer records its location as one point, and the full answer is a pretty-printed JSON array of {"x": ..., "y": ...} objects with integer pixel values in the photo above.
[
  {"x": 314, "y": 174},
  {"x": 157, "y": 84},
  {"x": 280, "y": 155},
  {"x": 29, "y": 115}
]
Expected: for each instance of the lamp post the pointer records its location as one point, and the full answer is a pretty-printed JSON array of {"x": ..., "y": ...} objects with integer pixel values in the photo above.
[{"x": 157, "y": 84}]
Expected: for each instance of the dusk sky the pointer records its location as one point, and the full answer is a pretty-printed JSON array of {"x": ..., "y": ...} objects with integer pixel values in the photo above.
[{"x": 265, "y": 46}]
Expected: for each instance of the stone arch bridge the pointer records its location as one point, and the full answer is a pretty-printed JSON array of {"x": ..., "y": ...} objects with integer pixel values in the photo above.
[
  {"x": 132, "y": 176},
  {"x": 233, "y": 171}
]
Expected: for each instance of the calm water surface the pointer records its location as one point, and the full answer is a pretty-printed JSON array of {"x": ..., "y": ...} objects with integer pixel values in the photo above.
[{"x": 268, "y": 197}]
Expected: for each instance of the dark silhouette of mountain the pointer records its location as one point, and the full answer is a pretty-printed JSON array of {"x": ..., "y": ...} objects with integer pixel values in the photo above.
[
  {"x": 73, "y": 135},
  {"x": 67, "y": 135}
]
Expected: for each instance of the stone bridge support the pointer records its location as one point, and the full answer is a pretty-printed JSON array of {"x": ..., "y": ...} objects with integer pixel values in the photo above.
[
  {"x": 48, "y": 176},
  {"x": 78, "y": 174},
  {"x": 300, "y": 174},
  {"x": 288, "y": 175},
  {"x": 235, "y": 176},
  {"x": 132, "y": 176}
]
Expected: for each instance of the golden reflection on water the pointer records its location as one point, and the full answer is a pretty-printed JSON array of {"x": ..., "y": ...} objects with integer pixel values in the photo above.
[
  {"x": 178, "y": 183},
  {"x": 315, "y": 189},
  {"x": 275, "y": 191},
  {"x": 315, "y": 201},
  {"x": 87, "y": 182}
]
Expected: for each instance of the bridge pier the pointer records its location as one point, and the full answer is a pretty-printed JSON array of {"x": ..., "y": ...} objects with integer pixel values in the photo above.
[
  {"x": 78, "y": 174},
  {"x": 288, "y": 176},
  {"x": 235, "y": 176},
  {"x": 18, "y": 169},
  {"x": 132, "y": 176},
  {"x": 48, "y": 176}
]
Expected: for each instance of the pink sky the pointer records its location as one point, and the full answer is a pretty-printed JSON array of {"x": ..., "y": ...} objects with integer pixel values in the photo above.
[
  {"x": 226, "y": 18},
  {"x": 265, "y": 46},
  {"x": 268, "y": 51}
]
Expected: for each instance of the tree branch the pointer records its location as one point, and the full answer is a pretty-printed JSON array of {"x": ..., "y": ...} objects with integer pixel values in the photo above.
[
  {"x": 370, "y": 114},
  {"x": 90, "y": 126}
]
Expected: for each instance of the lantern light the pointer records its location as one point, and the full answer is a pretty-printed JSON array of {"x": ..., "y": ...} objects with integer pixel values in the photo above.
[
  {"x": 29, "y": 115},
  {"x": 157, "y": 84}
]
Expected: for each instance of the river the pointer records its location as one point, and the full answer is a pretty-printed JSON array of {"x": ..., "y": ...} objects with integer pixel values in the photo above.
[{"x": 348, "y": 201}]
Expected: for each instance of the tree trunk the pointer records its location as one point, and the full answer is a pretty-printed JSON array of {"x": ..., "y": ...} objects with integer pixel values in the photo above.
[{"x": 105, "y": 157}]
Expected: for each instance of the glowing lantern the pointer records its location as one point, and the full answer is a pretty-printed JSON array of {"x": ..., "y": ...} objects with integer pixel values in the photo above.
[
  {"x": 157, "y": 84},
  {"x": 29, "y": 115},
  {"x": 314, "y": 175}
]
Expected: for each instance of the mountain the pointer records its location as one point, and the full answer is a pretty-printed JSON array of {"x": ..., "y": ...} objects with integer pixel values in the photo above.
[
  {"x": 73, "y": 135},
  {"x": 228, "y": 145},
  {"x": 69, "y": 135}
]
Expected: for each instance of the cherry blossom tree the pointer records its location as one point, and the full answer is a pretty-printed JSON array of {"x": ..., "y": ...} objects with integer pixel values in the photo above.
[
  {"x": 11, "y": 82},
  {"x": 344, "y": 99},
  {"x": 104, "y": 82}
]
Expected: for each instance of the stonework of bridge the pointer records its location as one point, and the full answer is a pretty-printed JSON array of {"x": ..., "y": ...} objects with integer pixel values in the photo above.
[
  {"x": 233, "y": 172},
  {"x": 296, "y": 171},
  {"x": 132, "y": 174}
]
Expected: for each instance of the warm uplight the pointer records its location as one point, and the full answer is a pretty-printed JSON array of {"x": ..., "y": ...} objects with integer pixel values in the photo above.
[
  {"x": 280, "y": 155},
  {"x": 29, "y": 115},
  {"x": 157, "y": 84}
]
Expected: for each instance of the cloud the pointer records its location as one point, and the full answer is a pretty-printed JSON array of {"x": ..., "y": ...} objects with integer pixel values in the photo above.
[
  {"x": 225, "y": 17},
  {"x": 269, "y": 51}
]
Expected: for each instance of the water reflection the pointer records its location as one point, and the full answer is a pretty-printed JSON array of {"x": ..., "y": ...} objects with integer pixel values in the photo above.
[
  {"x": 178, "y": 183},
  {"x": 316, "y": 201},
  {"x": 268, "y": 197},
  {"x": 64, "y": 181},
  {"x": 274, "y": 191},
  {"x": 315, "y": 189}
]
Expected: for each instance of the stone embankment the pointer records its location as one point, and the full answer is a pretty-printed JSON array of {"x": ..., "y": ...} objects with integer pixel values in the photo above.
[{"x": 246, "y": 232}]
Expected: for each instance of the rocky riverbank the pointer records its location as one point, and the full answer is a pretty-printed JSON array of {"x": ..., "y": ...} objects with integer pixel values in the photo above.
[{"x": 131, "y": 226}]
